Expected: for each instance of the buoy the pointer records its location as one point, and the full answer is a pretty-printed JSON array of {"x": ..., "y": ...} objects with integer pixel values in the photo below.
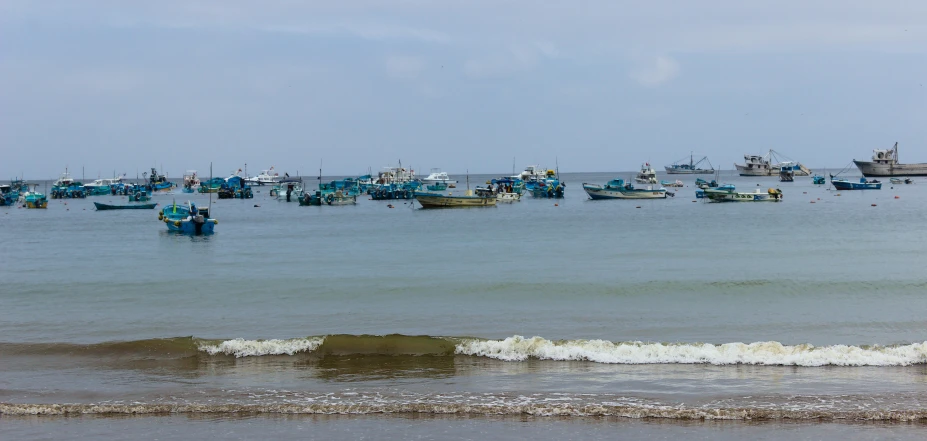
[
  {"x": 638, "y": 206},
  {"x": 256, "y": 206},
  {"x": 873, "y": 205},
  {"x": 812, "y": 202},
  {"x": 896, "y": 197},
  {"x": 819, "y": 199},
  {"x": 556, "y": 205},
  {"x": 804, "y": 192},
  {"x": 694, "y": 201}
]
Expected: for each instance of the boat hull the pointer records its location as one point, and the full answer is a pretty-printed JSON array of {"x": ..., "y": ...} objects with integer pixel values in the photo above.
[
  {"x": 36, "y": 204},
  {"x": 678, "y": 171},
  {"x": 441, "y": 201},
  {"x": 856, "y": 185},
  {"x": 101, "y": 207},
  {"x": 871, "y": 169},
  {"x": 596, "y": 192},
  {"x": 736, "y": 196}
]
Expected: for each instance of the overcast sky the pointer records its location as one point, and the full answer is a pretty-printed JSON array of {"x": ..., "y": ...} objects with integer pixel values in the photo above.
[{"x": 598, "y": 85}]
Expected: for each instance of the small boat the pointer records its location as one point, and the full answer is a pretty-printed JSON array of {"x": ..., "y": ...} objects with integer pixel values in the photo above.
[
  {"x": 677, "y": 184},
  {"x": 700, "y": 194},
  {"x": 818, "y": 180},
  {"x": 289, "y": 190},
  {"x": 158, "y": 182},
  {"x": 501, "y": 196},
  {"x": 339, "y": 198},
  {"x": 703, "y": 184},
  {"x": 863, "y": 184},
  {"x": 101, "y": 187},
  {"x": 786, "y": 173},
  {"x": 140, "y": 195},
  {"x": 766, "y": 165},
  {"x": 102, "y": 206},
  {"x": 235, "y": 187},
  {"x": 6, "y": 196},
  {"x": 618, "y": 189},
  {"x": 692, "y": 167},
  {"x": 437, "y": 177},
  {"x": 896, "y": 181},
  {"x": 550, "y": 187},
  {"x": 908, "y": 181},
  {"x": 531, "y": 172},
  {"x": 190, "y": 181},
  {"x": 435, "y": 200},
  {"x": 187, "y": 219},
  {"x": 266, "y": 177},
  {"x": 211, "y": 186},
  {"x": 727, "y": 193},
  {"x": 33, "y": 198},
  {"x": 647, "y": 175},
  {"x": 440, "y": 186}
]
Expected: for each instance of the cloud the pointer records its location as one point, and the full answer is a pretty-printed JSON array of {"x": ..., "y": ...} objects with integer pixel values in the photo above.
[
  {"x": 655, "y": 72},
  {"x": 404, "y": 67}
]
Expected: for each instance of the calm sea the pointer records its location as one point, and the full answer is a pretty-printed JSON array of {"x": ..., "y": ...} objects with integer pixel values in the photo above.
[{"x": 544, "y": 318}]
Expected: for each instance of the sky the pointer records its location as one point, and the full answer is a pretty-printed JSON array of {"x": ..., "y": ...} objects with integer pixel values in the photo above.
[{"x": 110, "y": 86}]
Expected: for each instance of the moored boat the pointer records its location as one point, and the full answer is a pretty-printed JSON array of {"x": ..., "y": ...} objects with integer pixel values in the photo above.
[
  {"x": 437, "y": 177},
  {"x": 769, "y": 164},
  {"x": 435, "y": 200},
  {"x": 863, "y": 184},
  {"x": 618, "y": 189},
  {"x": 289, "y": 190},
  {"x": 728, "y": 193},
  {"x": 101, "y": 206},
  {"x": 6, "y": 196},
  {"x": 786, "y": 173},
  {"x": 647, "y": 175},
  {"x": 678, "y": 183},
  {"x": 692, "y": 167},
  {"x": 187, "y": 218},
  {"x": 159, "y": 182},
  {"x": 818, "y": 180},
  {"x": 440, "y": 186},
  {"x": 266, "y": 177},
  {"x": 33, "y": 198},
  {"x": 885, "y": 163}
]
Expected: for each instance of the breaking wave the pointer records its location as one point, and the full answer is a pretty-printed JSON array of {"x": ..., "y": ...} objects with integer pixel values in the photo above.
[
  {"x": 512, "y": 349},
  {"x": 532, "y": 409}
]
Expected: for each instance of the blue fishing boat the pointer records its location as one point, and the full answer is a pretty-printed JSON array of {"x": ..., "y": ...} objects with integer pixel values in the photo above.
[
  {"x": 440, "y": 186},
  {"x": 6, "y": 196},
  {"x": 618, "y": 189},
  {"x": 235, "y": 187},
  {"x": 211, "y": 186},
  {"x": 818, "y": 180},
  {"x": 34, "y": 199},
  {"x": 511, "y": 185},
  {"x": 187, "y": 219},
  {"x": 139, "y": 195},
  {"x": 550, "y": 187},
  {"x": 863, "y": 184},
  {"x": 159, "y": 182},
  {"x": 703, "y": 184}
]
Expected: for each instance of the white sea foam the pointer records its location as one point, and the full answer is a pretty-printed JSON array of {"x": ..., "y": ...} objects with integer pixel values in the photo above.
[
  {"x": 251, "y": 348},
  {"x": 518, "y": 348}
]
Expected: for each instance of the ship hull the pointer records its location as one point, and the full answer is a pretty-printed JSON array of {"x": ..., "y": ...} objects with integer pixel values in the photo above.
[
  {"x": 871, "y": 169},
  {"x": 596, "y": 192},
  {"x": 698, "y": 171}
]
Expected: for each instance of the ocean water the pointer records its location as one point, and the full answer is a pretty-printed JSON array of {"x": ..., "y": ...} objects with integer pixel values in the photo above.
[{"x": 665, "y": 318}]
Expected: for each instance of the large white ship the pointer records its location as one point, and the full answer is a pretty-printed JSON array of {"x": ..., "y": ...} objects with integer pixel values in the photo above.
[
  {"x": 769, "y": 165},
  {"x": 885, "y": 163}
]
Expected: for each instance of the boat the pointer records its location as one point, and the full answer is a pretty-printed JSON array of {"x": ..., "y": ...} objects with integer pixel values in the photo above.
[
  {"x": 678, "y": 183},
  {"x": 618, "y": 189},
  {"x": 885, "y": 163},
  {"x": 139, "y": 195},
  {"x": 289, "y": 190},
  {"x": 502, "y": 195},
  {"x": 7, "y": 198},
  {"x": 339, "y": 198},
  {"x": 863, "y": 184},
  {"x": 509, "y": 185},
  {"x": 727, "y": 193},
  {"x": 265, "y": 177},
  {"x": 395, "y": 175},
  {"x": 435, "y": 200},
  {"x": 101, "y": 187},
  {"x": 187, "y": 219},
  {"x": 647, "y": 175},
  {"x": 440, "y": 186},
  {"x": 703, "y": 184},
  {"x": 818, "y": 180},
  {"x": 190, "y": 181},
  {"x": 550, "y": 187},
  {"x": 896, "y": 181},
  {"x": 67, "y": 187},
  {"x": 692, "y": 167},
  {"x": 158, "y": 182},
  {"x": 211, "y": 186},
  {"x": 786, "y": 173},
  {"x": 531, "y": 173},
  {"x": 101, "y": 206},
  {"x": 908, "y": 181},
  {"x": 235, "y": 187},
  {"x": 437, "y": 177},
  {"x": 768, "y": 164},
  {"x": 33, "y": 198}
]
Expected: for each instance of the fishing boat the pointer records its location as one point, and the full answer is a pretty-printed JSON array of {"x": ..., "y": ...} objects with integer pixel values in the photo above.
[
  {"x": 33, "y": 198},
  {"x": 509, "y": 185},
  {"x": 818, "y": 180},
  {"x": 6, "y": 196},
  {"x": 501, "y": 196},
  {"x": 786, "y": 173},
  {"x": 66, "y": 187},
  {"x": 339, "y": 198},
  {"x": 885, "y": 163},
  {"x": 703, "y": 184},
  {"x": 235, "y": 187},
  {"x": 692, "y": 167},
  {"x": 101, "y": 206},
  {"x": 190, "y": 181},
  {"x": 678, "y": 183},
  {"x": 437, "y": 177},
  {"x": 863, "y": 184},
  {"x": 395, "y": 175},
  {"x": 158, "y": 182},
  {"x": 288, "y": 189},
  {"x": 435, "y": 200},
  {"x": 104, "y": 186},
  {"x": 647, "y": 175},
  {"x": 265, "y": 177},
  {"x": 187, "y": 219},
  {"x": 618, "y": 189},
  {"x": 727, "y": 193},
  {"x": 211, "y": 186},
  {"x": 139, "y": 194},
  {"x": 531, "y": 173},
  {"x": 550, "y": 187},
  {"x": 440, "y": 186},
  {"x": 768, "y": 164}
]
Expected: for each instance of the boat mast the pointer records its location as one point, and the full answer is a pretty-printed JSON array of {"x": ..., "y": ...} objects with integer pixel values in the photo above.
[{"x": 210, "y": 193}]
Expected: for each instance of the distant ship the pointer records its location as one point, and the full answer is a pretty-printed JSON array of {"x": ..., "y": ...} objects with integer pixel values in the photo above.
[
  {"x": 769, "y": 165},
  {"x": 885, "y": 163},
  {"x": 692, "y": 167}
]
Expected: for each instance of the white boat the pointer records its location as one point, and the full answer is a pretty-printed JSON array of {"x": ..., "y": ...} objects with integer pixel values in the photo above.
[
  {"x": 265, "y": 177},
  {"x": 531, "y": 173},
  {"x": 769, "y": 165},
  {"x": 64, "y": 180},
  {"x": 395, "y": 175},
  {"x": 437, "y": 177},
  {"x": 190, "y": 179},
  {"x": 885, "y": 163},
  {"x": 727, "y": 193},
  {"x": 693, "y": 167},
  {"x": 618, "y": 189},
  {"x": 103, "y": 183},
  {"x": 288, "y": 190},
  {"x": 508, "y": 197},
  {"x": 647, "y": 175}
]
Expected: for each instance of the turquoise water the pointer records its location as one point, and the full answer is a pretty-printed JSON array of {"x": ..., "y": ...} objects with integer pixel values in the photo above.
[{"x": 636, "y": 306}]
